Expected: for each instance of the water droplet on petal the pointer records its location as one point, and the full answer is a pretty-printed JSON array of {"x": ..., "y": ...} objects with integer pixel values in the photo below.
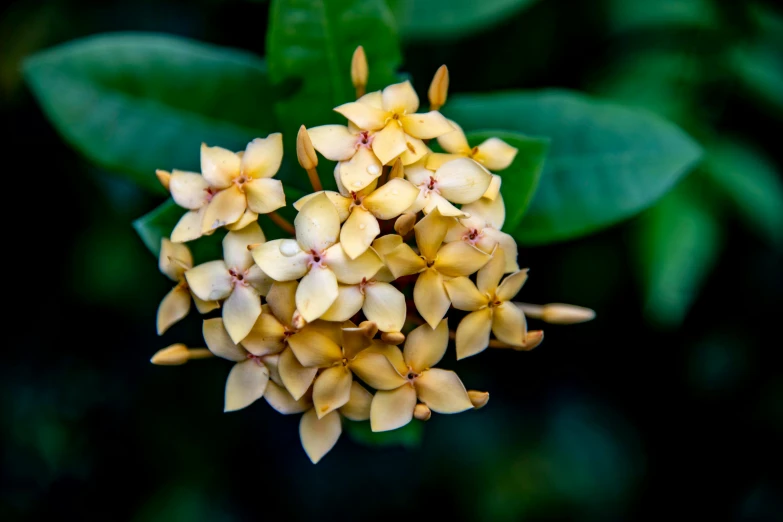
[
  {"x": 357, "y": 184},
  {"x": 289, "y": 247},
  {"x": 362, "y": 226},
  {"x": 373, "y": 170}
]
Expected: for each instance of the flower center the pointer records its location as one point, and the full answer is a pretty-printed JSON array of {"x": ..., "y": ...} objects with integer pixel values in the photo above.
[
  {"x": 364, "y": 139},
  {"x": 473, "y": 236},
  {"x": 317, "y": 259},
  {"x": 238, "y": 277},
  {"x": 255, "y": 358},
  {"x": 411, "y": 376},
  {"x": 210, "y": 193}
]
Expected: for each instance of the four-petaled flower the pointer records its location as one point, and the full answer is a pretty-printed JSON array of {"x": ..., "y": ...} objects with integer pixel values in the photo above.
[
  {"x": 357, "y": 166},
  {"x": 460, "y": 181}
]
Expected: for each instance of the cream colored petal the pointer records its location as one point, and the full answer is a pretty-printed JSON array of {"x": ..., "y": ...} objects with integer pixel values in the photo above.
[
  {"x": 348, "y": 303},
  {"x": 363, "y": 115},
  {"x": 266, "y": 337},
  {"x": 443, "y": 391},
  {"x": 430, "y": 232},
  {"x": 173, "y": 308},
  {"x": 316, "y": 293},
  {"x": 464, "y": 295},
  {"x": 385, "y": 244},
  {"x": 279, "y": 399},
  {"x": 426, "y": 125},
  {"x": 473, "y": 333},
  {"x": 262, "y": 157},
  {"x": 248, "y": 217},
  {"x": 281, "y": 299},
  {"x": 392, "y": 409},
  {"x": 358, "y": 406},
  {"x": 391, "y": 200},
  {"x": 204, "y": 307},
  {"x": 210, "y": 281},
  {"x": 333, "y": 331},
  {"x": 457, "y": 232},
  {"x": 174, "y": 259},
  {"x": 425, "y": 346},
  {"x": 258, "y": 279},
  {"x": 354, "y": 339},
  {"x": 509, "y": 324},
  {"x": 360, "y": 171},
  {"x": 331, "y": 390},
  {"x": 264, "y": 195},
  {"x": 459, "y": 259},
  {"x": 495, "y": 154},
  {"x": 352, "y": 271},
  {"x": 219, "y": 342},
  {"x": 430, "y": 297},
  {"x": 504, "y": 242},
  {"x": 373, "y": 366},
  {"x": 388, "y": 143},
  {"x": 415, "y": 149},
  {"x": 317, "y": 225},
  {"x": 188, "y": 227},
  {"x": 404, "y": 261},
  {"x": 385, "y": 306},
  {"x": 240, "y": 311},
  {"x": 188, "y": 189},
  {"x": 373, "y": 99},
  {"x": 246, "y": 383},
  {"x": 219, "y": 166},
  {"x": 297, "y": 378},
  {"x": 493, "y": 190},
  {"x": 462, "y": 180},
  {"x": 492, "y": 212},
  {"x": 443, "y": 205},
  {"x": 235, "y": 252},
  {"x": 454, "y": 141},
  {"x": 272, "y": 362},
  {"x": 281, "y": 259},
  {"x": 313, "y": 349},
  {"x": 437, "y": 160},
  {"x": 334, "y": 142},
  {"x": 341, "y": 203},
  {"x": 511, "y": 285},
  {"x": 226, "y": 207},
  {"x": 400, "y": 98},
  {"x": 488, "y": 277},
  {"x": 358, "y": 232},
  {"x": 319, "y": 436}
]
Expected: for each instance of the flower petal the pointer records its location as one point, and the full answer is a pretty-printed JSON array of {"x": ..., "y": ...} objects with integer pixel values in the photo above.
[
  {"x": 188, "y": 189},
  {"x": 219, "y": 166},
  {"x": 248, "y": 217},
  {"x": 317, "y": 225},
  {"x": 391, "y": 200},
  {"x": 493, "y": 190},
  {"x": 363, "y": 115},
  {"x": 509, "y": 324},
  {"x": 446, "y": 209},
  {"x": 266, "y": 337},
  {"x": 385, "y": 306},
  {"x": 430, "y": 232},
  {"x": 464, "y": 295},
  {"x": 281, "y": 259},
  {"x": 334, "y": 142},
  {"x": 443, "y": 391},
  {"x": 219, "y": 343},
  {"x": 281, "y": 299},
  {"x": 462, "y": 180},
  {"x": 488, "y": 277},
  {"x": 204, "y": 307},
  {"x": 210, "y": 281},
  {"x": 235, "y": 252},
  {"x": 415, "y": 149},
  {"x": 392, "y": 409},
  {"x": 425, "y": 346},
  {"x": 358, "y": 406},
  {"x": 348, "y": 303},
  {"x": 258, "y": 279},
  {"x": 319, "y": 436},
  {"x": 173, "y": 308},
  {"x": 491, "y": 212},
  {"x": 174, "y": 259},
  {"x": 454, "y": 141},
  {"x": 400, "y": 98},
  {"x": 495, "y": 154},
  {"x": 358, "y": 232},
  {"x": 246, "y": 384},
  {"x": 404, "y": 261},
  {"x": 473, "y": 333},
  {"x": 388, "y": 143},
  {"x": 313, "y": 349},
  {"x": 437, "y": 160},
  {"x": 296, "y": 378},
  {"x": 511, "y": 285},
  {"x": 282, "y": 401},
  {"x": 352, "y": 271},
  {"x": 316, "y": 293},
  {"x": 262, "y": 157},
  {"x": 430, "y": 297},
  {"x": 188, "y": 227},
  {"x": 331, "y": 390},
  {"x": 360, "y": 171},
  {"x": 426, "y": 125},
  {"x": 226, "y": 207},
  {"x": 264, "y": 195},
  {"x": 504, "y": 242},
  {"x": 341, "y": 203},
  {"x": 240, "y": 311},
  {"x": 372, "y": 365},
  {"x": 460, "y": 259}
]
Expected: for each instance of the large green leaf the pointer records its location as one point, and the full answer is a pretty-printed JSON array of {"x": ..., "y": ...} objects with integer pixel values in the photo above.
[
  {"x": 134, "y": 102},
  {"x": 606, "y": 162},
  {"x": 446, "y": 19},
  {"x": 520, "y": 179}
]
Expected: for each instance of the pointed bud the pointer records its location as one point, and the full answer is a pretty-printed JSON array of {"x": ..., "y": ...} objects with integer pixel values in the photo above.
[
  {"x": 369, "y": 329},
  {"x": 359, "y": 71},
  {"x": 439, "y": 88},
  {"x": 173, "y": 355},
  {"x": 305, "y": 152},
  {"x": 405, "y": 223},
  {"x": 393, "y": 337},
  {"x": 164, "y": 177},
  {"x": 396, "y": 170},
  {"x": 559, "y": 313},
  {"x": 479, "y": 399},
  {"x": 422, "y": 412},
  {"x": 532, "y": 339}
]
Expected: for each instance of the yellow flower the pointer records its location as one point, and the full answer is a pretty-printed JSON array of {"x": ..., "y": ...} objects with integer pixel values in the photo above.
[
  {"x": 234, "y": 278},
  {"x": 381, "y": 303},
  {"x": 399, "y": 130},
  {"x": 490, "y": 307},
  {"x": 316, "y": 257},
  {"x": 436, "y": 263},
  {"x": 174, "y": 260},
  {"x": 441, "y": 390},
  {"x": 460, "y": 181},
  {"x": 351, "y": 147},
  {"x": 482, "y": 229}
]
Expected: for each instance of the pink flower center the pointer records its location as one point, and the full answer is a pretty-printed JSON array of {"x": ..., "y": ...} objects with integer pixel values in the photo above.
[
  {"x": 238, "y": 277},
  {"x": 364, "y": 139},
  {"x": 210, "y": 193},
  {"x": 412, "y": 375},
  {"x": 316, "y": 259},
  {"x": 255, "y": 358},
  {"x": 473, "y": 236}
]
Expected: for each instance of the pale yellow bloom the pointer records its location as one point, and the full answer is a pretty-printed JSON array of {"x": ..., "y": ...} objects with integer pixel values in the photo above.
[
  {"x": 234, "y": 278},
  {"x": 316, "y": 257},
  {"x": 399, "y": 131},
  {"x": 381, "y": 303},
  {"x": 174, "y": 260},
  {"x": 460, "y": 181},
  {"x": 490, "y": 308},
  {"x": 351, "y": 147},
  {"x": 441, "y": 390},
  {"x": 436, "y": 263}
]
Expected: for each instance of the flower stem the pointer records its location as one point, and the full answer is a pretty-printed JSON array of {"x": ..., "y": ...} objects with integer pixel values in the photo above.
[
  {"x": 282, "y": 222},
  {"x": 315, "y": 181}
]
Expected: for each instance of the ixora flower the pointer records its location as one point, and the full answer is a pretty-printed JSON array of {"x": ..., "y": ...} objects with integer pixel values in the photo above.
[
  {"x": 357, "y": 165},
  {"x": 234, "y": 279},
  {"x": 459, "y": 181},
  {"x": 316, "y": 257},
  {"x": 174, "y": 260},
  {"x": 490, "y": 307},
  {"x": 381, "y": 303},
  {"x": 399, "y": 131}
]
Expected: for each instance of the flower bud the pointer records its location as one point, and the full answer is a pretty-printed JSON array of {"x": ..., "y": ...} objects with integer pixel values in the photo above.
[
  {"x": 405, "y": 223},
  {"x": 396, "y": 170},
  {"x": 305, "y": 152},
  {"x": 393, "y": 337},
  {"x": 359, "y": 71},
  {"x": 369, "y": 329},
  {"x": 422, "y": 412},
  {"x": 439, "y": 88},
  {"x": 532, "y": 339},
  {"x": 559, "y": 313},
  {"x": 479, "y": 399},
  {"x": 177, "y": 354},
  {"x": 164, "y": 177}
]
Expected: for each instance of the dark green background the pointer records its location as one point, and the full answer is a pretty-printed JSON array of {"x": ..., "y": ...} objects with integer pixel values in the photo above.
[{"x": 653, "y": 411}]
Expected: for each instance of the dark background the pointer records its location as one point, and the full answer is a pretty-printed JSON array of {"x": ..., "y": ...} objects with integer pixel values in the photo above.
[{"x": 623, "y": 418}]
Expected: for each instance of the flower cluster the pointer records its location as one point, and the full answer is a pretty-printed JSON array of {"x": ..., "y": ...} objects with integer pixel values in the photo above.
[{"x": 311, "y": 321}]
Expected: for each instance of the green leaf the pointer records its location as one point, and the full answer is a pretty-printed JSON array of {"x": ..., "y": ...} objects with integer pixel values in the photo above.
[
  {"x": 409, "y": 436},
  {"x": 633, "y": 15},
  {"x": 451, "y": 19},
  {"x": 606, "y": 162},
  {"x": 134, "y": 102},
  {"x": 520, "y": 179},
  {"x": 678, "y": 243}
]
